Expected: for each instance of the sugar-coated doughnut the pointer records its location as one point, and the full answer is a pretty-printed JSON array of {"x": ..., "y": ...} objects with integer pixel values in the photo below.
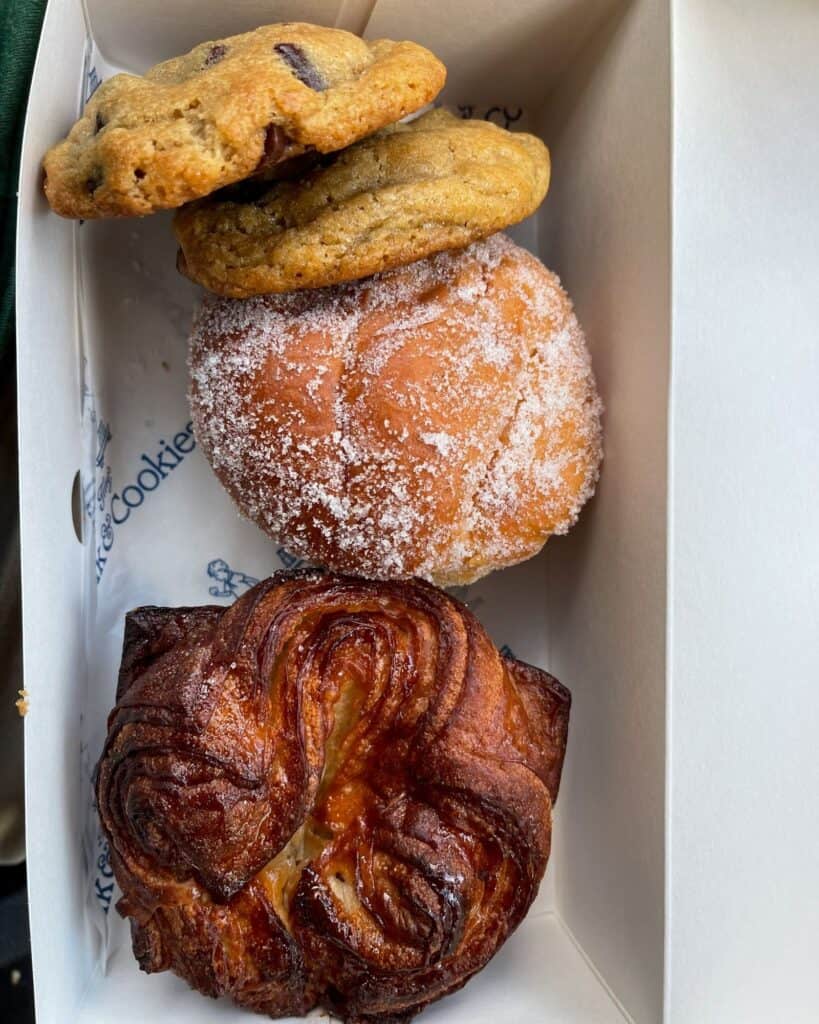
[{"x": 439, "y": 420}]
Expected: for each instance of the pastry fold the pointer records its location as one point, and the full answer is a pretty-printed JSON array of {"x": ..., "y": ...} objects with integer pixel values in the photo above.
[{"x": 336, "y": 792}]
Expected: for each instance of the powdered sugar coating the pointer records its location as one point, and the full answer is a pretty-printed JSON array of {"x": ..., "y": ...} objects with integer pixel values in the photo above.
[{"x": 440, "y": 420}]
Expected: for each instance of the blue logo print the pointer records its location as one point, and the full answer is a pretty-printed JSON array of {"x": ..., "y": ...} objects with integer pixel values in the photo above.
[
  {"x": 498, "y": 115},
  {"x": 290, "y": 561},
  {"x": 228, "y": 582},
  {"x": 104, "y": 876},
  {"x": 115, "y": 507},
  {"x": 92, "y": 83}
]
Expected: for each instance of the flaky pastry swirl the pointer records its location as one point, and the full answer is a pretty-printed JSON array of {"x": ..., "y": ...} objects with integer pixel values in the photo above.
[{"x": 335, "y": 792}]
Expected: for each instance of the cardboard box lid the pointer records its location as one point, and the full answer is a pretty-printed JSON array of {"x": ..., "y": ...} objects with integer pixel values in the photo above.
[{"x": 738, "y": 843}]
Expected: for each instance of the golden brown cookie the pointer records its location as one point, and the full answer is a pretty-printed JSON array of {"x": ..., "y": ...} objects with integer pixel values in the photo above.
[
  {"x": 439, "y": 420},
  {"x": 228, "y": 109},
  {"x": 415, "y": 189}
]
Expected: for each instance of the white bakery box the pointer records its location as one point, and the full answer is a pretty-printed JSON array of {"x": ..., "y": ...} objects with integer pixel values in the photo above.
[{"x": 683, "y": 610}]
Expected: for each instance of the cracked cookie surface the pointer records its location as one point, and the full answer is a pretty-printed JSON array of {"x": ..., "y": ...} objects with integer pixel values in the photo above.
[
  {"x": 439, "y": 420},
  {"x": 437, "y": 183},
  {"x": 229, "y": 109}
]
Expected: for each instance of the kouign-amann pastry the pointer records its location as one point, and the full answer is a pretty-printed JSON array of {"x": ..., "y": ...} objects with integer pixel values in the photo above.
[
  {"x": 439, "y": 420},
  {"x": 229, "y": 109},
  {"x": 437, "y": 183},
  {"x": 334, "y": 793}
]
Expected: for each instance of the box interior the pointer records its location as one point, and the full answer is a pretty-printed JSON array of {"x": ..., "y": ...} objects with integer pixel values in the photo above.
[{"x": 103, "y": 319}]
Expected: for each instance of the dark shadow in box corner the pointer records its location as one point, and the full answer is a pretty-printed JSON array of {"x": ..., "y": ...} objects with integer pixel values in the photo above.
[{"x": 16, "y": 988}]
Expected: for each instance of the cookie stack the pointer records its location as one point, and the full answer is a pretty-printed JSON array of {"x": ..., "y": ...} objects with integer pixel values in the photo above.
[{"x": 381, "y": 381}]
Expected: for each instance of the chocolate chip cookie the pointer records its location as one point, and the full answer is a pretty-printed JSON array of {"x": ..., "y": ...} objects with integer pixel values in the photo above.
[
  {"x": 230, "y": 109},
  {"x": 413, "y": 189}
]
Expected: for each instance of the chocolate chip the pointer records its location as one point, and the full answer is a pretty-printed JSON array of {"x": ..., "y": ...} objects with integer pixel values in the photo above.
[
  {"x": 216, "y": 54},
  {"x": 99, "y": 123},
  {"x": 294, "y": 166},
  {"x": 139, "y": 173},
  {"x": 272, "y": 168},
  {"x": 276, "y": 141},
  {"x": 301, "y": 65},
  {"x": 248, "y": 191},
  {"x": 93, "y": 182}
]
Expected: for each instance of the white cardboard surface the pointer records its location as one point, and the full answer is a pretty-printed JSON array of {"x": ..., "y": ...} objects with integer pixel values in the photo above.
[
  {"x": 511, "y": 56},
  {"x": 50, "y": 448},
  {"x": 539, "y": 976},
  {"x": 136, "y": 36},
  {"x": 608, "y": 230},
  {"x": 734, "y": 843},
  {"x": 164, "y": 532},
  {"x": 744, "y": 583}
]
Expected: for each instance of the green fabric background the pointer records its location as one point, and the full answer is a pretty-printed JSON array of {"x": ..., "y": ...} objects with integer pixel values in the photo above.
[{"x": 20, "y": 22}]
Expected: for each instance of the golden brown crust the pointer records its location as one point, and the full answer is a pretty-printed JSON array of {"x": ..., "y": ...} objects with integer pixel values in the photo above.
[
  {"x": 226, "y": 109},
  {"x": 440, "y": 420},
  {"x": 437, "y": 183},
  {"x": 334, "y": 793}
]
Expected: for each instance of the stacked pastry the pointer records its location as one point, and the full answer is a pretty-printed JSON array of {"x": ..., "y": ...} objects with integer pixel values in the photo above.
[{"x": 392, "y": 389}]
